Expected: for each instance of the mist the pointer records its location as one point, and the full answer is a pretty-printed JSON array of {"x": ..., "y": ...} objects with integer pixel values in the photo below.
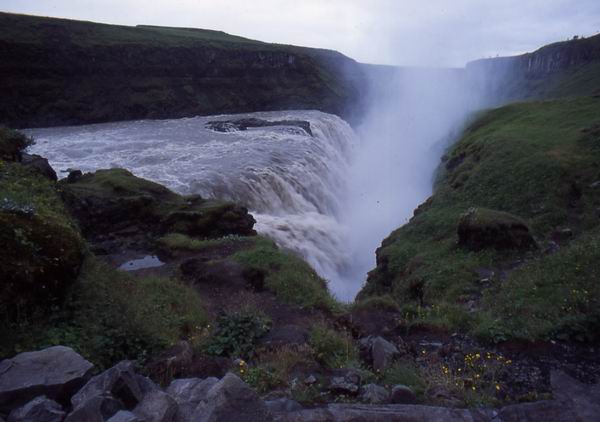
[{"x": 413, "y": 115}]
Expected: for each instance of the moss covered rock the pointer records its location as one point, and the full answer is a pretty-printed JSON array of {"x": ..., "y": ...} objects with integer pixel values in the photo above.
[
  {"x": 481, "y": 228},
  {"x": 42, "y": 249},
  {"x": 112, "y": 200}
]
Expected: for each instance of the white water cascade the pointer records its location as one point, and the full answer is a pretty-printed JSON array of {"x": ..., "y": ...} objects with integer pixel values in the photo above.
[{"x": 293, "y": 183}]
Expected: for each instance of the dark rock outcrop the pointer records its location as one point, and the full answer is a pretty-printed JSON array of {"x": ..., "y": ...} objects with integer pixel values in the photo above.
[
  {"x": 374, "y": 394},
  {"x": 121, "y": 395},
  {"x": 40, "y": 409},
  {"x": 111, "y": 200},
  {"x": 231, "y": 399},
  {"x": 401, "y": 394},
  {"x": 56, "y": 372},
  {"x": 40, "y": 165},
  {"x": 480, "y": 228},
  {"x": 245, "y": 124}
]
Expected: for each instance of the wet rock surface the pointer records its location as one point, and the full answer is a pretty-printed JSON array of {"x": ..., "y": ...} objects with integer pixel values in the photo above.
[{"x": 245, "y": 124}]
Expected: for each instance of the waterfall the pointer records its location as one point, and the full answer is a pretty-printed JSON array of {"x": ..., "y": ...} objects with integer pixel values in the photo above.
[{"x": 293, "y": 182}]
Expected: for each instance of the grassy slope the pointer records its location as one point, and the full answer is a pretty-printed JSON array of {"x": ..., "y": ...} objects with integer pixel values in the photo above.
[
  {"x": 536, "y": 160},
  {"x": 33, "y": 29}
]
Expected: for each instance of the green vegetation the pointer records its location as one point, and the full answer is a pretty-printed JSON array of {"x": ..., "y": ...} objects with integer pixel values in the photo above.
[
  {"x": 174, "y": 241},
  {"x": 557, "y": 296},
  {"x": 110, "y": 316},
  {"x": 381, "y": 303},
  {"x": 12, "y": 143},
  {"x": 42, "y": 249},
  {"x": 31, "y": 29},
  {"x": 332, "y": 348},
  {"x": 107, "y": 199},
  {"x": 236, "y": 335},
  {"x": 405, "y": 373},
  {"x": 538, "y": 161},
  {"x": 287, "y": 275}
]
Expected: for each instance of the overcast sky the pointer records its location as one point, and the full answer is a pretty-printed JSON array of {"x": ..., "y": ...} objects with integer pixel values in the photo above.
[{"x": 404, "y": 32}]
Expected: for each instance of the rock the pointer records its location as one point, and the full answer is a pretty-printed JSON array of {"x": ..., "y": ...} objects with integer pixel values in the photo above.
[
  {"x": 56, "y": 372},
  {"x": 387, "y": 413},
  {"x": 95, "y": 409},
  {"x": 538, "y": 411},
  {"x": 401, "y": 394},
  {"x": 74, "y": 175},
  {"x": 442, "y": 395},
  {"x": 374, "y": 394},
  {"x": 40, "y": 165},
  {"x": 124, "y": 416},
  {"x": 120, "y": 382},
  {"x": 156, "y": 407},
  {"x": 481, "y": 228},
  {"x": 382, "y": 353},
  {"x": 342, "y": 385},
  {"x": 108, "y": 201},
  {"x": 584, "y": 399},
  {"x": 232, "y": 400},
  {"x": 191, "y": 390},
  {"x": 172, "y": 362},
  {"x": 245, "y": 124},
  {"x": 40, "y": 409},
  {"x": 188, "y": 393},
  {"x": 561, "y": 236},
  {"x": 310, "y": 380},
  {"x": 283, "y": 405}
]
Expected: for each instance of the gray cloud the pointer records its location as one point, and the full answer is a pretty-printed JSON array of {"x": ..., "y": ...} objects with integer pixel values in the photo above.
[{"x": 406, "y": 32}]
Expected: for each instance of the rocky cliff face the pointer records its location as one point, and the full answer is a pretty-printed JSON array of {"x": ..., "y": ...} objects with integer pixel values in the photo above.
[
  {"x": 559, "y": 69},
  {"x": 59, "y": 72}
]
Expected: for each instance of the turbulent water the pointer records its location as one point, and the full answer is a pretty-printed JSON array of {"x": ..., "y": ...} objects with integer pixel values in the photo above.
[{"x": 293, "y": 183}]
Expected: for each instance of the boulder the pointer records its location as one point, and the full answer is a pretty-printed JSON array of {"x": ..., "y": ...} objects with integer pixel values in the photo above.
[
  {"x": 96, "y": 409},
  {"x": 40, "y": 165},
  {"x": 401, "y": 394},
  {"x": 191, "y": 390},
  {"x": 283, "y": 405},
  {"x": 188, "y": 393},
  {"x": 383, "y": 353},
  {"x": 583, "y": 398},
  {"x": 481, "y": 228},
  {"x": 124, "y": 416},
  {"x": 231, "y": 399},
  {"x": 40, "y": 409},
  {"x": 120, "y": 382},
  {"x": 343, "y": 385},
  {"x": 374, "y": 394},
  {"x": 56, "y": 372},
  {"x": 156, "y": 407}
]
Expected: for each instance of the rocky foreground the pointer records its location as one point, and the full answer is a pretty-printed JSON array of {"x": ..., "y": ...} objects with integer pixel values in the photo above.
[{"x": 56, "y": 384}]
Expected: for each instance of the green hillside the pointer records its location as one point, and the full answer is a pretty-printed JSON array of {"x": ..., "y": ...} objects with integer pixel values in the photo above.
[{"x": 540, "y": 162}]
